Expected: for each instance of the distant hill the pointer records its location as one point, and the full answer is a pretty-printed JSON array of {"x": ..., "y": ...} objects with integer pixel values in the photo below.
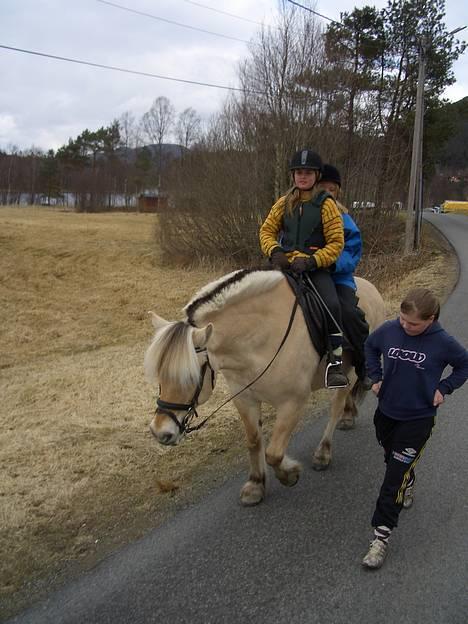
[{"x": 169, "y": 151}]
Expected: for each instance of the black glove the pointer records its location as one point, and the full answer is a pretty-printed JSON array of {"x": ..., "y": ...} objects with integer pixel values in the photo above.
[
  {"x": 300, "y": 265},
  {"x": 279, "y": 259}
]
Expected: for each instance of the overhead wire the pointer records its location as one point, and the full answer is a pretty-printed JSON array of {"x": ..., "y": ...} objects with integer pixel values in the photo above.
[
  {"x": 141, "y": 73},
  {"x": 168, "y": 21},
  {"x": 129, "y": 71},
  {"x": 239, "y": 17},
  {"x": 160, "y": 76},
  {"x": 315, "y": 12}
]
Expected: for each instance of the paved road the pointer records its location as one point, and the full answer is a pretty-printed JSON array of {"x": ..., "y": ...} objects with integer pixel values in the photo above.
[{"x": 296, "y": 558}]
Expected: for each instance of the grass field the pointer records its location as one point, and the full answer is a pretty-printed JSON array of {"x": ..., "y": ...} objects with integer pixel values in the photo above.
[{"x": 80, "y": 473}]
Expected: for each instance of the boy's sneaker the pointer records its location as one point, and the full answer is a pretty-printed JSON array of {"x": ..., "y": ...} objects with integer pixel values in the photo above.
[
  {"x": 408, "y": 498},
  {"x": 376, "y": 554}
]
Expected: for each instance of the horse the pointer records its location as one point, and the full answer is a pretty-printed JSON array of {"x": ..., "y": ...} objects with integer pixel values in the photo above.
[{"x": 247, "y": 326}]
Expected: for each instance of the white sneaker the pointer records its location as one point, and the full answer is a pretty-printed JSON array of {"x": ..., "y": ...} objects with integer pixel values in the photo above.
[
  {"x": 376, "y": 554},
  {"x": 408, "y": 498}
]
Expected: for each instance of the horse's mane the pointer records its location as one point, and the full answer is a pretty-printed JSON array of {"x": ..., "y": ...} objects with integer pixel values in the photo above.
[
  {"x": 171, "y": 357},
  {"x": 230, "y": 288}
]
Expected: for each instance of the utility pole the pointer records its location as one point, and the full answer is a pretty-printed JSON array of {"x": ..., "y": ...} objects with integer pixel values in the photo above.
[
  {"x": 414, "y": 204},
  {"x": 415, "y": 190}
]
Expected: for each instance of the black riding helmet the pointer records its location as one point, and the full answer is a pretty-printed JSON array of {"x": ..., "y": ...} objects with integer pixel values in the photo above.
[
  {"x": 331, "y": 174},
  {"x": 306, "y": 159}
]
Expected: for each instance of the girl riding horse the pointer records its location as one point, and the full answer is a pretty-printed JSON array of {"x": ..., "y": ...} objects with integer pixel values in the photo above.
[{"x": 312, "y": 237}]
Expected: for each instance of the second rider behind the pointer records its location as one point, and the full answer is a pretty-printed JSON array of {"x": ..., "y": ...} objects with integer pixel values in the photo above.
[{"x": 355, "y": 325}]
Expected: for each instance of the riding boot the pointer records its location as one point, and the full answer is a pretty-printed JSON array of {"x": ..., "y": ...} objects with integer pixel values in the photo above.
[{"x": 334, "y": 375}]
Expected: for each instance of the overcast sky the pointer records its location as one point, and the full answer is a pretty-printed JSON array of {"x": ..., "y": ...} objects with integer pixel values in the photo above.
[{"x": 44, "y": 102}]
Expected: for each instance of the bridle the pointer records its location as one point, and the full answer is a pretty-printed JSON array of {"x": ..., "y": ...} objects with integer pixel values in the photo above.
[{"x": 166, "y": 407}]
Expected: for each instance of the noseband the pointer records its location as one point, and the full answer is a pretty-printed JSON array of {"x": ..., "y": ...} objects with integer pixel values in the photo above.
[{"x": 166, "y": 407}]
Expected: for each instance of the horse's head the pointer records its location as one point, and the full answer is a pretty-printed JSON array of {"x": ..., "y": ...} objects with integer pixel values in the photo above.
[{"x": 178, "y": 361}]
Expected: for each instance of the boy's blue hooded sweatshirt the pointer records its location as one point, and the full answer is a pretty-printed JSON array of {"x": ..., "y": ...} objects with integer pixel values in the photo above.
[{"x": 413, "y": 367}]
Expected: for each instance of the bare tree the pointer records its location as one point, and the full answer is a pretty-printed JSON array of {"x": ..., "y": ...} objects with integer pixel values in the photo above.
[
  {"x": 188, "y": 127},
  {"x": 274, "y": 86},
  {"x": 157, "y": 123},
  {"x": 128, "y": 129}
]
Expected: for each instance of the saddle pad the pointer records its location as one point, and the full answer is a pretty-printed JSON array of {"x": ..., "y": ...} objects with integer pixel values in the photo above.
[{"x": 314, "y": 315}]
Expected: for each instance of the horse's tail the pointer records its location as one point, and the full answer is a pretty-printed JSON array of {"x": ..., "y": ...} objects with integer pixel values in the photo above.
[{"x": 358, "y": 392}]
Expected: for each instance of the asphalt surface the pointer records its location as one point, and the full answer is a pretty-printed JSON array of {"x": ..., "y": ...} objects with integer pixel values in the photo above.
[{"x": 296, "y": 557}]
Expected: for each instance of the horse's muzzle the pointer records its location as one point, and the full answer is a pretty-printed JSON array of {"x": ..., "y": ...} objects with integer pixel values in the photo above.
[{"x": 167, "y": 438}]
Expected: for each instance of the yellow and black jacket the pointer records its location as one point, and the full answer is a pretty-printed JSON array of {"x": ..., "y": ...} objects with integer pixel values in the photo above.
[{"x": 313, "y": 228}]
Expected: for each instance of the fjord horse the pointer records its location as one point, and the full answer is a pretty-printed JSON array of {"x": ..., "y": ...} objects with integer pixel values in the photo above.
[{"x": 235, "y": 326}]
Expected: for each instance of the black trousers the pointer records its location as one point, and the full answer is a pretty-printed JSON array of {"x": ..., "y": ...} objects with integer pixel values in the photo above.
[
  {"x": 403, "y": 442},
  {"x": 355, "y": 326},
  {"x": 326, "y": 288}
]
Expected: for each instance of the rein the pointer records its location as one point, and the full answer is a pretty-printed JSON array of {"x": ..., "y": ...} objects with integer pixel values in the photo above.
[{"x": 165, "y": 407}]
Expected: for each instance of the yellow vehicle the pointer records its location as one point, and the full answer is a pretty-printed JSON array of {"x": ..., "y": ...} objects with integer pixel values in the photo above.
[{"x": 455, "y": 206}]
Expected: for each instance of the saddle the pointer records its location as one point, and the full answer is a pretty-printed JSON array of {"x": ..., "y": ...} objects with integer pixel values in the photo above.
[{"x": 315, "y": 315}]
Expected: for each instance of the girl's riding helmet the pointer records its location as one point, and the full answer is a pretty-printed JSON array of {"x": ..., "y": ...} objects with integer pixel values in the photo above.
[
  {"x": 306, "y": 159},
  {"x": 331, "y": 174}
]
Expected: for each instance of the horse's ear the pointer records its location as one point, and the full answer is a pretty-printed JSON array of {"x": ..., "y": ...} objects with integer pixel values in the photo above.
[
  {"x": 158, "y": 322},
  {"x": 201, "y": 336}
]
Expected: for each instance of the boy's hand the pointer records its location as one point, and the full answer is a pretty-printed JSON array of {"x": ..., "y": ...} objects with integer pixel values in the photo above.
[
  {"x": 438, "y": 398},
  {"x": 376, "y": 388}
]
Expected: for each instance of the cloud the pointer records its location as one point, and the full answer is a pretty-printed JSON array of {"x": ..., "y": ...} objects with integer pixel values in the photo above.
[
  {"x": 45, "y": 101},
  {"x": 7, "y": 127}
]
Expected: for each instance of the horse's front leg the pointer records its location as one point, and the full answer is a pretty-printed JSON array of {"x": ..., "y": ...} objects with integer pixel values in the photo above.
[
  {"x": 287, "y": 470},
  {"x": 323, "y": 452},
  {"x": 253, "y": 491}
]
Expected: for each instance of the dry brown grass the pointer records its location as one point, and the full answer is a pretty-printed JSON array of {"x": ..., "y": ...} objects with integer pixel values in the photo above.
[{"x": 79, "y": 472}]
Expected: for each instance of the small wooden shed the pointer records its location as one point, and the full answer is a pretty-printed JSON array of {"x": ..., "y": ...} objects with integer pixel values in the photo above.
[{"x": 152, "y": 201}]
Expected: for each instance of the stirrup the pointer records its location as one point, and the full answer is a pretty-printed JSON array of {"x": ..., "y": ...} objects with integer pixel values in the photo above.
[{"x": 340, "y": 380}]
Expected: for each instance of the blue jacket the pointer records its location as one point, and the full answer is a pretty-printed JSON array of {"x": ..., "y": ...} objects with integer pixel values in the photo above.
[
  {"x": 351, "y": 254},
  {"x": 413, "y": 367}
]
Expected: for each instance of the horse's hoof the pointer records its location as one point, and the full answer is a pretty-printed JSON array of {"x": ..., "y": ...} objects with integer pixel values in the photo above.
[
  {"x": 289, "y": 479},
  {"x": 290, "y": 476},
  {"x": 252, "y": 494},
  {"x": 346, "y": 425},
  {"x": 320, "y": 464}
]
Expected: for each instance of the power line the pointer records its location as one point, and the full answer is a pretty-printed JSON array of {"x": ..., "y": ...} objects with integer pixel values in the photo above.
[
  {"x": 167, "y": 21},
  {"x": 239, "y": 17},
  {"x": 314, "y": 12},
  {"x": 129, "y": 71}
]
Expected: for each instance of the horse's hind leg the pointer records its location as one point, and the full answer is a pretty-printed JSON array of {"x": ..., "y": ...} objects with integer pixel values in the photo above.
[
  {"x": 286, "y": 470},
  {"x": 348, "y": 418},
  {"x": 323, "y": 452},
  {"x": 253, "y": 491}
]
